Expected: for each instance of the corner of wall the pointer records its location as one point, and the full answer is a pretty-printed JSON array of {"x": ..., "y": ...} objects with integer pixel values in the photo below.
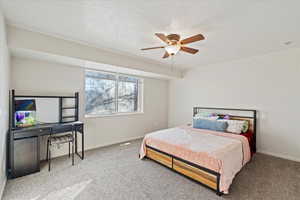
[
  {"x": 4, "y": 101},
  {"x": 2, "y": 188}
]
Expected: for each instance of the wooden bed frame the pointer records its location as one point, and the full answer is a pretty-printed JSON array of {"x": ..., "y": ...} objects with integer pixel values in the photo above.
[{"x": 202, "y": 175}]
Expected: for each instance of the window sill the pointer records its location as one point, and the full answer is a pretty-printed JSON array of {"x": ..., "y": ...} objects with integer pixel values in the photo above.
[{"x": 113, "y": 115}]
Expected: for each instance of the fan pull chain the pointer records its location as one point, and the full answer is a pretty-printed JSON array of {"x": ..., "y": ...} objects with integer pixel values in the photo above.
[{"x": 172, "y": 63}]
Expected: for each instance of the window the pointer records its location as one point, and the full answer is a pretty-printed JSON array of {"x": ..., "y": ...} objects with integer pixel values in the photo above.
[{"x": 111, "y": 93}]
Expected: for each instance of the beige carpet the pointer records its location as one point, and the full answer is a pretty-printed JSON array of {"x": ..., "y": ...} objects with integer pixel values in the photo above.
[{"x": 115, "y": 172}]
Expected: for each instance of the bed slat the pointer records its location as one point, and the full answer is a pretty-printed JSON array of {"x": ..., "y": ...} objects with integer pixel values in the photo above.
[
  {"x": 195, "y": 173},
  {"x": 159, "y": 157}
]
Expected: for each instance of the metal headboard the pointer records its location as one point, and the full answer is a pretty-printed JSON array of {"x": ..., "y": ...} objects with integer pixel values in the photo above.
[{"x": 234, "y": 113}]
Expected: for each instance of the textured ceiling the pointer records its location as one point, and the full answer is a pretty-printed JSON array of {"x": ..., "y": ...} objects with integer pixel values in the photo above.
[{"x": 234, "y": 28}]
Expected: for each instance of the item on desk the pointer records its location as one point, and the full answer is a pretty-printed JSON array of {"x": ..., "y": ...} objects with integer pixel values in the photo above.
[
  {"x": 25, "y": 114},
  {"x": 25, "y": 118}
]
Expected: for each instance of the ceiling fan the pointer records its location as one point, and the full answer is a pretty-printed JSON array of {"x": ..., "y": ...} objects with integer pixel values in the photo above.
[{"x": 174, "y": 44}]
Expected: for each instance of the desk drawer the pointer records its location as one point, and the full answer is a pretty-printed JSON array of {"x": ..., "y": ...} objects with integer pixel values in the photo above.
[
  {"x": 25, "y": 134},
  {"x": 62, "y": 129},
  {"x": 31, "y": 133},
  {"x": 44, "y": 131}
]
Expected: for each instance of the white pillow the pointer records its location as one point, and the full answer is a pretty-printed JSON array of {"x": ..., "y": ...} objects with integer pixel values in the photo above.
[
  {"x": 209, "y": 118},
  {"x": 234, "y": 126}
]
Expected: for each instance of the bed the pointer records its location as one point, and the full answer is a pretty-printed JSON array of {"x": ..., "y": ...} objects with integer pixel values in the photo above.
[{"x": 211, "y": 158}]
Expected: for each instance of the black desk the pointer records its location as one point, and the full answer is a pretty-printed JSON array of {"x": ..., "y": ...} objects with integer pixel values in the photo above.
[{"x": 24, "y": 145}]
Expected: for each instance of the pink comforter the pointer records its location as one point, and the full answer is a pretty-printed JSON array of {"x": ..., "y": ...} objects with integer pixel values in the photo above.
[{"x": 221, "y": 152}]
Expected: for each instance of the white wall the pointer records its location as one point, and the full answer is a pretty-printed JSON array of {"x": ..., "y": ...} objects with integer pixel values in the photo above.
[
  {"x": 45, "y": 77},
  {"x": 268, "y": 83},
  {"x": 4, "y": 108}
]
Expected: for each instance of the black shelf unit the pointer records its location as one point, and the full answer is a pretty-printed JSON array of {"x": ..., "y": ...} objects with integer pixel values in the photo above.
[
  {"x": 62, "y": 108},
  {"x": 62, "y": 117}
]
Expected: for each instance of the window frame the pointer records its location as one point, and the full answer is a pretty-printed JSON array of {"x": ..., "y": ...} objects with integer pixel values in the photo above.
[{"x": 140, "y": 96}]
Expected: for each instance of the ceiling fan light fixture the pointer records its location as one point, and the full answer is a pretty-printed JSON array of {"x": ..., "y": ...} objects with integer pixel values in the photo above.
[
  {"x": 172, "y": 49},
  {"x": 174, "y": 44}
]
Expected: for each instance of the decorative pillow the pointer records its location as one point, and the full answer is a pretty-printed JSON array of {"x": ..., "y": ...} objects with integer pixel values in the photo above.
[
  {"x": 234, "y": 126},
  {"x": 205, "y": 114},
  {"x": 245, "y": 126},
  {"x": 224, "y": 117},
  {"x": 214, "y": 125},
  {"x": 208, "y": 118}
]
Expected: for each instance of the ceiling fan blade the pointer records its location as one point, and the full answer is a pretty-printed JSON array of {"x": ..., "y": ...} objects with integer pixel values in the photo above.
[
  {"x": 189, "y": 50},
  {"x": 166, "y": 55},
  {"x": 162, "y": 37},
  {"x": 153, "y": 48},
  {"x": 194, "y": 38}
]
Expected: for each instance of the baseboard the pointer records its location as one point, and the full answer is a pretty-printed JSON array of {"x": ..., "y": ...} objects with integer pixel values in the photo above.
[
  {"x": 114, "y": 143},
  {"x": 2, "y": 188},
  {"x": 102, "y": 145},
  {"x": 280, "y": 156}
]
